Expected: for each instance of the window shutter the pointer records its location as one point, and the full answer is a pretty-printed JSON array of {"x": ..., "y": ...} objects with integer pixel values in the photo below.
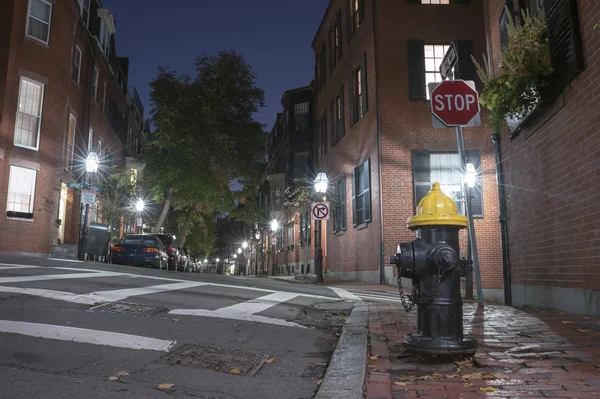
[
  {"x": 348, "y": 22},
  {"x": 421, "y": 175},
  {"x": 324, "y": 132},
  {"x": 466, "y": 68},
  {"x": 361, "y": 10},
  {"x": 351, "y": 97},
  {"x": 460, "y": 1},
  {"x": 331, "y": 54},
  {"x": 413, "y": 1},
  {"x": 333, "y": 131},
  {"x": 363, "y": 80},
  {"x": 318, "y": 142},
  {"x": 342, "y": 122},
  {"x": 343, "y": 203},
  {"x": 340, "y": 32},
  {"x": 354, "y": 197},
  {"x": 564, "y": 39},
  {"x": 416, "y": 69},
  {"x": 368, "y": 195},
  {"x": 474, "y": 157},
  {"x": 336, "y": 206}
]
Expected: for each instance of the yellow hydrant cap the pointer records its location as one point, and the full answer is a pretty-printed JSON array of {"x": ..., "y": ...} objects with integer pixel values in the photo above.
[{"x": 436, "y": 208}]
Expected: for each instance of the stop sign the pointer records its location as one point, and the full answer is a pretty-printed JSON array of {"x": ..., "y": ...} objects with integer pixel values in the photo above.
[{"x": 454, "y": 102}]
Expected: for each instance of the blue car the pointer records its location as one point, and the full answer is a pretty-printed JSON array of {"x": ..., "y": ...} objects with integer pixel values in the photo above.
[{"x": 140, "y": 250}]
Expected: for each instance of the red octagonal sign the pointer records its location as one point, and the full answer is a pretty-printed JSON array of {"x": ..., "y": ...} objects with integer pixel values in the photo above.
[{"x": 455, "y": 103}]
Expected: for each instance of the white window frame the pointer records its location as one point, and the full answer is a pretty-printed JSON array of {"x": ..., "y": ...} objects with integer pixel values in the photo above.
[
  {"x": 435, "y": 2},
  {"x": 95, "y": 83},
  {"x": 90, "y": 142},
  {"x": 433, "y": 75},
  {"x": 104, "y": 39},
  {"x": 82, "y": 6},
  {"x": 39, "y": 129},
  {"x": 32, "y": 192},
  {"x": 70, "y": 146},
  {"x": 49, "y": 22},
  {"x": 75, "y": 64}
]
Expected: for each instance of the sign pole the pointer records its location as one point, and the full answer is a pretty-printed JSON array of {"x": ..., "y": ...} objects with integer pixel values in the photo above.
[{"x": 472, "y": 239}]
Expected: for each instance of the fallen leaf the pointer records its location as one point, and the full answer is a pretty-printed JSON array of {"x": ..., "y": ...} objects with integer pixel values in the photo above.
[
  {"x": 437, "y": 374},
  {"x": 235, "y": 371},
  {"x": 479, "y": 355},
  {"x": 467, "y": 385},
  {"x": 425, "y": 377},
  {"x": 319, "y": 364},
  {"x": 166, "y": 386},
  {"x": 374, "y": 357},
  {"x": 371, "y": 366},
  {"x": 175, "y": 319},
  {"x": 474, "y": 376},
  {"x": 79, "y": 381},
  {"x": 319, "y": 381},
  {"x": 450, "y": 375},
  {"x": 399, "y": 383},
  {"x": 488, "y": 389},
  {"x": 567, "y": 322},
  {"x": 488, "y": 377},
  {"x": 234, "y": 325},
  {"x": 122, "y": 373},
  {"x": 582, "y": 330},
  {"x": 113, "y": 378},
  {"x": 164, "y": 318},
  {"x": 270, "y": 360}
]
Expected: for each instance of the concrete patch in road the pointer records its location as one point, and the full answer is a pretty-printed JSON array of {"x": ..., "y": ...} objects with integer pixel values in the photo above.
[{"x": 346, "y": 372}]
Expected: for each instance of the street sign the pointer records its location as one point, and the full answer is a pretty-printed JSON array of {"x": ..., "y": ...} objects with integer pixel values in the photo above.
[
  {"x": 455, "y": 103},
  {"x": 88, "y": 198},
  {"x": 320, "y": 211},
  {"x": 449, "y": 60}
]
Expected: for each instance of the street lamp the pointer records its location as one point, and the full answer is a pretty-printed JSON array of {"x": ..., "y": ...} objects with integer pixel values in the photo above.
[
  {"x": 274, "y": 225},
  {"x": 139, "y": 207},
  {"x": 321, "y": 182},
  {"x": 470, "y": 175},
  {"x": 239, "y": 251},
  {"x": 245, "y": 244},
  {"x": 92, "y": 164},
  {"x": 274, "y": 228}
]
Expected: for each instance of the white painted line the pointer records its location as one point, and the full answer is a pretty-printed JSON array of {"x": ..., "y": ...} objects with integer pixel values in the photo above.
[
  {"x": 380, "y": 298},
  {"x": 84, "y": 335},
  {"x": 5, "y": 280},
  {"x": 117, "y": 295},
  {"x": 248, "y": 317},
  {"x": 344, "y": 294},
  {"x": 17, "y": 267},
  {"x": 50, "y": 294},
  {"x": 66, "y": 260}
]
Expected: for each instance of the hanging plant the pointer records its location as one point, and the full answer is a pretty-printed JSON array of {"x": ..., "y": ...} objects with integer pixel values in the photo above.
[{"x": 524, "y": 69}]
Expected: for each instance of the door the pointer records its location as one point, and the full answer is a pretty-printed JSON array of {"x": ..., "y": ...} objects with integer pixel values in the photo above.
[{"x": 62, "y": 212}]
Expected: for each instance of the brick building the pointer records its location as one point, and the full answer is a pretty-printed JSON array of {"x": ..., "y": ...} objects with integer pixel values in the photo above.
[
  {"x": 63, "y": 94},
  {"x": 551, "y": 162},
  {"x": 376, "y": 142}
]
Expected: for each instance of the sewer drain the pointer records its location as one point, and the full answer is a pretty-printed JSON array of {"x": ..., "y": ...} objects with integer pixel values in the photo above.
[
  {"x": 217, "y": 359},
  {"x": 129, "y": 309}
]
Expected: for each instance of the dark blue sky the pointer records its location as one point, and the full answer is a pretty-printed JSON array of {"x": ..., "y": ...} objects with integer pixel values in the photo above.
[{"x": 273, "y": 35}]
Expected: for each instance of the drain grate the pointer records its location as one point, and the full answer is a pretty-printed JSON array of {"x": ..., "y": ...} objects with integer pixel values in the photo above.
[
  {"x": 217, "y": 359},
  {"x": 129, "y": 309}
]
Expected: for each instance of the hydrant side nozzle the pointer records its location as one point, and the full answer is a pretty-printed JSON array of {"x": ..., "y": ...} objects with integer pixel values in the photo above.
[{"x": 444, "y": 256}]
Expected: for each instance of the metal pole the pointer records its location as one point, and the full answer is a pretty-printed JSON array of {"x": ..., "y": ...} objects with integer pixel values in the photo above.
[
  {"x": 469, "y": 274},
  {"x": 472, "y": 239},
  {"x": 318, "y": 252}
]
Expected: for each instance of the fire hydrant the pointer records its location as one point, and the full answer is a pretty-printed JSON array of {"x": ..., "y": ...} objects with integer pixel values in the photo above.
[{"x": 431, "y": 261}]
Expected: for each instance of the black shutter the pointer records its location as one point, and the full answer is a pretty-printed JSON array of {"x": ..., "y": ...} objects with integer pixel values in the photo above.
[
  {"x": 331, "y": 53},
  {"x": 367, "y": 167},
  {"x": 421, "y": 175},
  {"x": 416, "y": 69},
  {"x": 412, "y": 1},
  {"x": 341, "y": 124},
  {"x": 333, "y": 131},
  {"x": 339, "y": 26},
  {"x": 343, "y": 203},
  {"x": 351, "y": 97},
  {"x": 465, "y": 69},
  {"x": 363, "y": 81},
  {"x": 474, "y": 157},
  {"x": 361, "y": 11},
  {"x": 564, "y": 39},
  {"x": 324, "y": 131},
  {"x": 336, "y": 208},
  {"x": 348, "y": 22},
  {"x": 460, "y": 1},
  {"x": 318, "y": 142},
  {"x": 354, "y": 197}
]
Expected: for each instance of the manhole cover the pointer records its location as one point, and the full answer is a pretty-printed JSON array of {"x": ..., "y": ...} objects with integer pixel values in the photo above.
[
  {"x": 130, "y": 309},
  {"x": 217, "y": 359}
]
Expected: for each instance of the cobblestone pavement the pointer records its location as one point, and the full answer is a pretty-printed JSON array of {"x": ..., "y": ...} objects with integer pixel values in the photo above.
[{"x": 522, "y": 353}]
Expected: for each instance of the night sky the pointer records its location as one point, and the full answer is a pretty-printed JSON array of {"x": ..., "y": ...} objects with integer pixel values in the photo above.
[{"x": 273, "y": 35}]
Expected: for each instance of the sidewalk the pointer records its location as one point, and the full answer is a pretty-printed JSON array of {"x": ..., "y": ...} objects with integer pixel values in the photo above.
[{"x": 522, "y": 353}]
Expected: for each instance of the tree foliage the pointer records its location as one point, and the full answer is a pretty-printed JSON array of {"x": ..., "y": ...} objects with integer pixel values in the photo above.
[{"x": 116, "y": 195}]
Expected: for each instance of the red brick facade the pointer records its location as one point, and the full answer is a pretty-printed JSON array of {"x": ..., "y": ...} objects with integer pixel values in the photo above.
[
  {"x": 394, "y": 127},
  {"x": 553, "y": 184},
  {"x": 51, "y": 64}
]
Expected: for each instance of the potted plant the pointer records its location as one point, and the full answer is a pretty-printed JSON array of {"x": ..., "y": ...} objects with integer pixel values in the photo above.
[{"x": 524, "y": 71}]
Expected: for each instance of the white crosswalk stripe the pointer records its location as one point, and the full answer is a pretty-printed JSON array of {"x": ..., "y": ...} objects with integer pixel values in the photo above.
[{"x": 376, "y": 296}]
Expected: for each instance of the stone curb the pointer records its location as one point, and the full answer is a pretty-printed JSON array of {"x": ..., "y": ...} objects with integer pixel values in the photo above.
[{"x": 346, "y": 372}]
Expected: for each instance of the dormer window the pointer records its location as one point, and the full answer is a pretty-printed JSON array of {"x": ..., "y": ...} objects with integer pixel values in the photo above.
[{"x": 107, "y": 29}]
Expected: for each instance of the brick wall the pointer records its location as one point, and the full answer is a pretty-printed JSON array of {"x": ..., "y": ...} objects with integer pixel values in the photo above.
[{"x": 553, "y": 180}]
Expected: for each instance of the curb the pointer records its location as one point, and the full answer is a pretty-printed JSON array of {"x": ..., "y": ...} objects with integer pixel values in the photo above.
[{"x": 346, "y": 372}]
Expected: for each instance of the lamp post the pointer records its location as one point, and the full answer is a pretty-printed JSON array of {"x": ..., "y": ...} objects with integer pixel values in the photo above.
[
  {"x": 139, "y": 207},
  {"x": 274, "y": 228},
  {"x": 321, "y": 182},
  {"x": 91, "y": 167},
  {"x": 245, "y": 257}
]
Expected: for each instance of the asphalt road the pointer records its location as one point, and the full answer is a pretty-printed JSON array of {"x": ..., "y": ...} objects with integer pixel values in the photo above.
[{"x": 210, "y": 336}]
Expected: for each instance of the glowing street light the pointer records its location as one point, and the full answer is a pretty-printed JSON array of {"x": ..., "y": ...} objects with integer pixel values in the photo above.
[
  {"x": 274, "y": 225},
  {"x": 234, "y": 256},
  {"x": 217, "y": 259},
  {"x": 245, "y": 244},
  {"x": 92, "y": 162},
  {"x": 321, "y": 182},
  {"x": 470, "y": 175},
  {"x": 140, "y": 205},
  {"x": 239, "y": 250}
]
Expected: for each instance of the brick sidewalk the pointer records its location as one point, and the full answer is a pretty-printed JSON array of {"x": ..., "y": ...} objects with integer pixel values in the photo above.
[{"x": 522, "y": 353}]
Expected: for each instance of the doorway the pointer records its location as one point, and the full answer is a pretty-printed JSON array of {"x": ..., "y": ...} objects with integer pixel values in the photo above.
[{"x": 62, "y": 212}]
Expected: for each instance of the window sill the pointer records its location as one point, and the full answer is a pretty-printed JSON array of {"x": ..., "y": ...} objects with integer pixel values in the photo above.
[
  {"x": 37, "y": 41},
  {"x": 26, "y": 147},
  {"x": 339, "y": 233},
  {"x": 538, "y": 118},
  {"x": 359, "y": 121},
  {"x": 362, "y": 226},
  {"x": 19, "y": 219}
]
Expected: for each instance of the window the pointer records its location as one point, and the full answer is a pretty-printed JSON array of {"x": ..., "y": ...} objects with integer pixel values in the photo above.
[
  {"x": 104, "y": 100},
  {"x": 435, "y": 1},
  {"x": 357, "y": 81},
  {"x": 277, "y": 198},
  {"x": 99, "y": 149},
  {"x": 361, "y": 194},
  {"x": 77, "y": 64},
  {"x": 335, "y": 44},
  {"x": 434, "y": 54},
  {"x": 302, "y": 116},
  {"x": 358, "y": 110},
  {"x": 90, "y": 143},
  {"x": 339, "y": 208},
  {"x": 357, "y": 16},
  {"x": 290, "y": 234},
  {"x": 70, "y": 142},
  {"x": 322, "y": 67},
  {"x": 104, "y": 37},
  {"x": 446, "y": 169},
  {"x": 503, "y": 30},
  {"x": 136, "y": 148},
  {"x": 324, "y": 135},
  {"x": 95, "y": 84},
  {"x": 279, "y": 238},
  {"x": 301, "y": 169},
  {"x": 305, "y": 228},
  {"x": 29, "y": 114},
  {"x": 38, "y": 22},
  {"x": 85, "y": 11},
  {"x": 21, "y": 192}
]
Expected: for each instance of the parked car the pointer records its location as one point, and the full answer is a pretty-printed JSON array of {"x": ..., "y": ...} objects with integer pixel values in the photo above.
[
  {"x": 182, "y": 262},
  {"x": 140, "y": 250},
  {"x": 172, "y": 251},
  {"x": 189, "y": 264}
]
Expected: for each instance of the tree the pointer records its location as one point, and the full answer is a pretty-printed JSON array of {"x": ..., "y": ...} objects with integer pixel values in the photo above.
[
  {"x": 205, "y": 135},
  {"x": 116, "y": 195}
]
